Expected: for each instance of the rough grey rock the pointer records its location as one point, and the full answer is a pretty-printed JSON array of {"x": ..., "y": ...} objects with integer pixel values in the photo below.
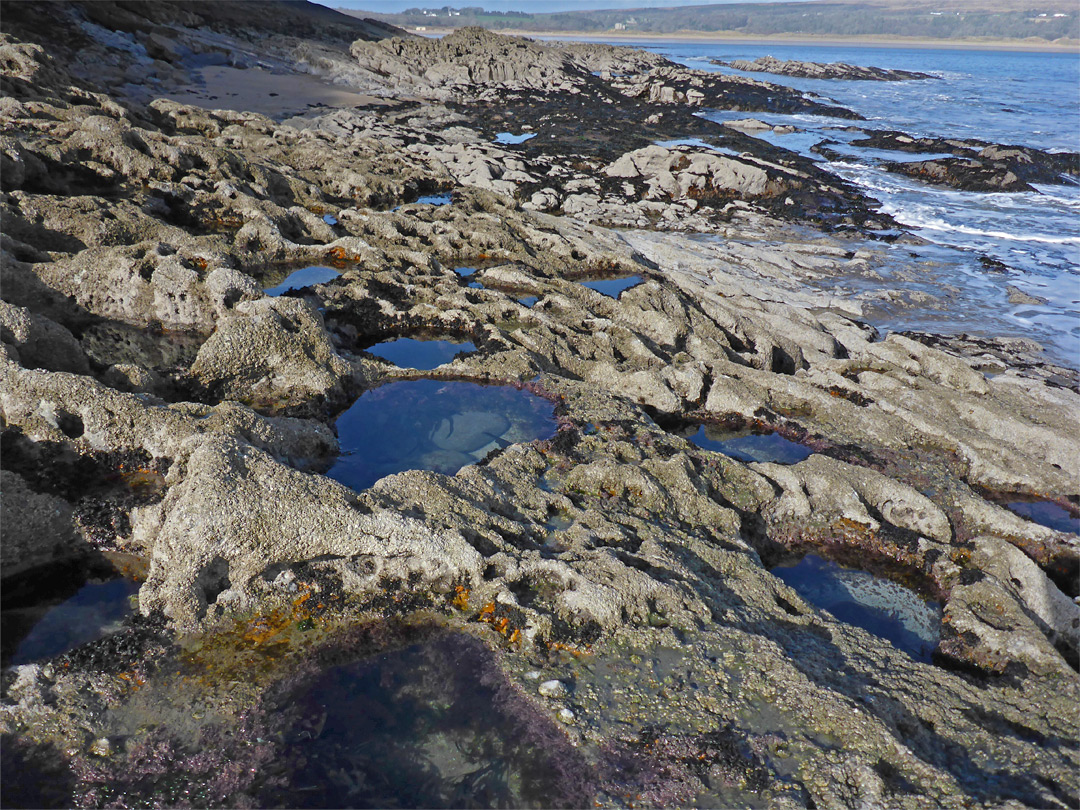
[{"x": 282, "y": 353}]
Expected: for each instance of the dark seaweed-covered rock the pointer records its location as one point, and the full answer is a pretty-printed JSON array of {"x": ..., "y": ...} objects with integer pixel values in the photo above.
[{"x": 973, "y": 165}]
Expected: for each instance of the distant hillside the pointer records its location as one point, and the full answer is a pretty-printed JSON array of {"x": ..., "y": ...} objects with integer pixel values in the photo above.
[{"x": 965, "y": 19}]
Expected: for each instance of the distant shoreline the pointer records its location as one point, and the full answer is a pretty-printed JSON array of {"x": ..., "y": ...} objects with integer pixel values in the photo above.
[{"x": 1072, "y": 46}]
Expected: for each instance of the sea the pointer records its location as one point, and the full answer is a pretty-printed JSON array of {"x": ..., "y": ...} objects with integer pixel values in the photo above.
[{"x": 1006, "y": 97}]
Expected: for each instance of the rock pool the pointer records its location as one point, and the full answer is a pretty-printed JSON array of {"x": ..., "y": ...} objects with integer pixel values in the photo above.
[
  {"x": 886, "y": 609},
  {"x": 747, "y": 446},
  {"x": 304, "y": 277},
  {"x": 422, "y": 355},
  {"x": 433, "y": 425}
]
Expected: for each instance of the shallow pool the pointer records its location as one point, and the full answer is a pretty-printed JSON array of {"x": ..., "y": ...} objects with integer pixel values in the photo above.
[
  {"x": 879, "y": 606},
  {"x": 511, "y": 138},
  {"x": 1046, "y": 513},
  {"x": 612, "y": 287},
  {"x": 35, "y": 632},
  {"x": 433, "y": 425},
  {"x": 304, "y": 277},
  {"x": 747, "y": 446},
  {"x": 422, "y": 355},
  {"x": 433, "y": 725}
]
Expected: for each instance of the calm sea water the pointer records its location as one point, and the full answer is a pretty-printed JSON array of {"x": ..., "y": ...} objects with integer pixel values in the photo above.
[{"x": 1030, "y": 99}]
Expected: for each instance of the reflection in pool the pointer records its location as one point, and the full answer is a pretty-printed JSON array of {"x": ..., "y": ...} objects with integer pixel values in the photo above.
[
  {"x": 304, "y": 277},
  {"x": 528, "y": 300},
  {"x": 95, "y": 610},
  {"x": 612, "y": 287},
  {"x": 422, "y": 355},
  {"x": 435, "y": 199},
  {"x": 1047, "y": 513},
  {"x": 433, "y": 425},
  {"x": 510, "y": 138},
  {"x": 429, "y": 199},
  {"x": 746, "y": 447},
  {"x": 879, "y": 606}
]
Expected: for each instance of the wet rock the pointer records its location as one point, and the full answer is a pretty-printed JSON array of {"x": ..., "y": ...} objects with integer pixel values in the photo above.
[
  {"x": 1018, "y": 297},
  {"x": 39, "y": 528},
  {"x": 974, "y": 165}
]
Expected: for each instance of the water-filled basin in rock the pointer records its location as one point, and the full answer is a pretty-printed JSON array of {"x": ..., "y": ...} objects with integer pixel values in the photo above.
[
  {"x": 612, "y": 287},
  {"x": 444, "y": 198},
  {"x": 435, "y": 199},
  {"x": 422, "y": 355},
  {"x": 465, "y": 272},
  {"x": 747, "y": 446},
  {"x": 304, "y": 277},
  {"x": 1046, "y": 513},
  {"x": 65, "y": 611},
  {"x": 435, "y": 724},
  {"x": 511, "y": 138},
  {"x": 528, "y": 300},
  {"x": 433, "y": 425},
  {"x": 879, "y": 606}
]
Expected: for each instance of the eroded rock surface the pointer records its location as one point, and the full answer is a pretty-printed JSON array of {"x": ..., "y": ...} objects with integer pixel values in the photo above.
[{"x": 156, "y": 402}]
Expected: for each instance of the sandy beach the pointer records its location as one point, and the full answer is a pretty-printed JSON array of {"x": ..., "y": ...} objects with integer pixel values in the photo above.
[{"x": 277, "y": 95}]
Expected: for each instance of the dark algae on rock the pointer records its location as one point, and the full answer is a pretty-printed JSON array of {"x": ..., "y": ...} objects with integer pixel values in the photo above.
[{"x": 451, "y": 523}]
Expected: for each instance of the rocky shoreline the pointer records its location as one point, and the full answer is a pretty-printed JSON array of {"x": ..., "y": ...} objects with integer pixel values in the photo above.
[{"x": 605, "y": 599}]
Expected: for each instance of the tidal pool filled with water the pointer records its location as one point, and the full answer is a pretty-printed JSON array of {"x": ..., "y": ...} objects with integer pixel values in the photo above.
[
  {"x": 432, "y": 725},
  {"x": 879, "y": 606},
  {"x": 422, "y": 355},
  {"x": 612, "y": 287},
  {"x": 61, "y": 608},
  {"x": 434, "y": 425},
  {"x": 1048, "y": 514},
  {"x": 304, "y": 277},
  {"x": 748, "y": 446}
]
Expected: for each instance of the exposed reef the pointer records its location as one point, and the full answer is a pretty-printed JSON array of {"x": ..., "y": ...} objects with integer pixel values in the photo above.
[
  {"x": 587, "y": 617},
  {"x": 818, "y": 70},
  {"x": 968, "y": 164}
]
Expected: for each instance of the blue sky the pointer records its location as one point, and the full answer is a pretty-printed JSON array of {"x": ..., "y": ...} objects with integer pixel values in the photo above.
[{"x": 391, "y": 6}]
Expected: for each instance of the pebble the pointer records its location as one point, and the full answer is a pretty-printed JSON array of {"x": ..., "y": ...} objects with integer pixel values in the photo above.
[
  {"x": 552, "y": 689},
  {"x": 101, "y": 747},
  {"x": 566, "y": 716}
]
